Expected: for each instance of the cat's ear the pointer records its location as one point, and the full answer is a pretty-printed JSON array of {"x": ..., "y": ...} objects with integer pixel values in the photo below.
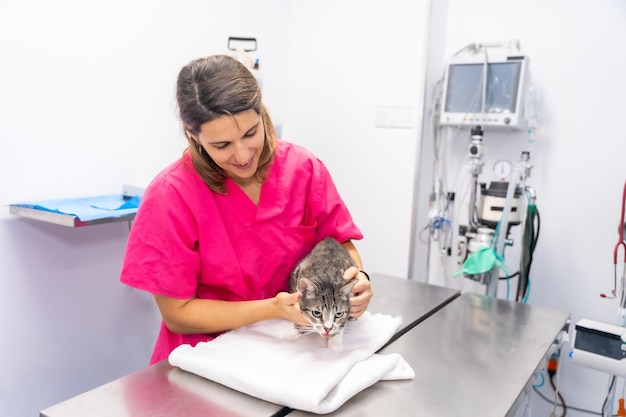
[
  {"x": 346, "y": 290},
  {"x": 306, "y": 288}
]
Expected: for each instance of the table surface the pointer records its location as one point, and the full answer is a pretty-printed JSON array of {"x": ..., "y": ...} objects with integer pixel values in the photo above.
[
  {"x": 411, "y": 300},
  {"x": 162, "y": 390},
  {"x": 477, "y": 356}
]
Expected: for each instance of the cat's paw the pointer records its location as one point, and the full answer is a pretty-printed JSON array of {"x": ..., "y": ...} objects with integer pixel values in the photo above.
[
  {"x": 292, "y": 334},
  {"x": 335, "y": 343}
]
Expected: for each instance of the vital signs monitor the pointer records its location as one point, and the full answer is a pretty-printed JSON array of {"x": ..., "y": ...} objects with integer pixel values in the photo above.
[{"x": 462, "y": 98}]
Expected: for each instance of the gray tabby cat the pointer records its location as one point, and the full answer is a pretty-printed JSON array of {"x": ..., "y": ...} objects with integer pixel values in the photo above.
[{"x": 325, "y": 300}]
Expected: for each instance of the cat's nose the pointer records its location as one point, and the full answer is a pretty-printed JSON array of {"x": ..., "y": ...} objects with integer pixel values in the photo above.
[{"x": 328, "y": 329}]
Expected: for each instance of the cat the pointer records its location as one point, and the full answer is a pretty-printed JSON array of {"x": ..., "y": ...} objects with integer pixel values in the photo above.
[{"x": 325, "y": 299}]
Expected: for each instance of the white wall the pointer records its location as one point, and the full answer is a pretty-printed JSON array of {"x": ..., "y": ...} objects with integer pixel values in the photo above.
[
  {"x": 86, "y": 105},
  {"x": 348, "y": 58},
  {"x": 577, "y": 60}
]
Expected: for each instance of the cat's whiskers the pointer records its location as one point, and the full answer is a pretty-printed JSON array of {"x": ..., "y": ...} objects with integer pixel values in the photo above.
[{"x": 309, "y": 330}]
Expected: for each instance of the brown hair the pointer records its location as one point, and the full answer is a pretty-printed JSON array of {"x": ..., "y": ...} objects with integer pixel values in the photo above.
[{"x": 213, "y": 87}]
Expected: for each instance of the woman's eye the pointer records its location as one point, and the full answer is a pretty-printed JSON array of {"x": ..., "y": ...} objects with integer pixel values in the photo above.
[
  {"x": 250, "y": 134},
  {"x": 316, "y": 313},
  {"x": 221, "y": 146},
  {"x": 339, "y": 314}
]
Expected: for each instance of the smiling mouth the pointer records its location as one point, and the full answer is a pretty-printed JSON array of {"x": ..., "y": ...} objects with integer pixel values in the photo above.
[{"x": 246, "y": 165}]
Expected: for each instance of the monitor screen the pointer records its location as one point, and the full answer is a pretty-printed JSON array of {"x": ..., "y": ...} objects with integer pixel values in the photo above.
[
  {"x": 462, "y": 101},
  {"x": 465, "y": 87}
]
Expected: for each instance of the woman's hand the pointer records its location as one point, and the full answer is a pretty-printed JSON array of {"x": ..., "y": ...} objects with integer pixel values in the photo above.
[
  {"x": 361, "y": 293},
  {"x": 289, "y": 308}
]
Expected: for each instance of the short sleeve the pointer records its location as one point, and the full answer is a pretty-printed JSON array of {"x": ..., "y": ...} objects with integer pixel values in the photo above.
[{"x": 162, "y": 255}]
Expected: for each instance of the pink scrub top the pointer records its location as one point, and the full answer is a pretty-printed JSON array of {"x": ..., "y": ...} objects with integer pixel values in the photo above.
[{"x": 188, "y": 241}]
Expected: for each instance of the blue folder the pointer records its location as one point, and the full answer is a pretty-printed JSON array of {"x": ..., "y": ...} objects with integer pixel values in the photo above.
[{"x": 89, "y": 208}]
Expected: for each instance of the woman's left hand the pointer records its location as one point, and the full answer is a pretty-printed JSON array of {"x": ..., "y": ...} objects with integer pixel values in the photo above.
[{"x": 361, "y": 293}]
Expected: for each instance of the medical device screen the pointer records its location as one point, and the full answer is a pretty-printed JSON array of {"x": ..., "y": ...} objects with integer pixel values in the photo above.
[{"x": 465, "y": 87}]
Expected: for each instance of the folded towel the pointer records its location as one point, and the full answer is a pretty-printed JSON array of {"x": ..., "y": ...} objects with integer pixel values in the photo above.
[{"x": 301, "y": 374}]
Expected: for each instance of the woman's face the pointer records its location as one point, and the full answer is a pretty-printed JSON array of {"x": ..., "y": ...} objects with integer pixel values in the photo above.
[{"x": 235, "y": 144}]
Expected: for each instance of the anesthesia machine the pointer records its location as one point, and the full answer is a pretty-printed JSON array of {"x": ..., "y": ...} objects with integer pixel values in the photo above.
[{"x": 485, "y": 88}]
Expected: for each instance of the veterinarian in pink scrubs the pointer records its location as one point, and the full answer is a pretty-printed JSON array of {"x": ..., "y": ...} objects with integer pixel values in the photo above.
[{"x": 219, "y": 230}]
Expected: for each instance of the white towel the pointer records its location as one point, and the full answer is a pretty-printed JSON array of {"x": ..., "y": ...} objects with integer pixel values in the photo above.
[{"x": 301, "y": 374}]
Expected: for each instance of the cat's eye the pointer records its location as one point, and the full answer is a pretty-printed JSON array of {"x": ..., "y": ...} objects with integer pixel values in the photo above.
[
  {"x": 339, "y": 314},
  {"x": 316, "y": 313}
]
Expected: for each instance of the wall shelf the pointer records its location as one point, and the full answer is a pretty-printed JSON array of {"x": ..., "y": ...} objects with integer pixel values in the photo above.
[
  {"x": 78, "y": 212},
  {"x": 62, "y": 218}
]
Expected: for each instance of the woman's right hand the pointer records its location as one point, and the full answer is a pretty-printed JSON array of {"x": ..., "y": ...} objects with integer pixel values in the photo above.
[
  {"x": 195, "y": 315},
  {"x": 289, "y": 308}
]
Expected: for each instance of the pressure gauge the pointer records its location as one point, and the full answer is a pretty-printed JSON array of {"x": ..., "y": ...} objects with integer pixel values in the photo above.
[{"x": 502, "y": 168}]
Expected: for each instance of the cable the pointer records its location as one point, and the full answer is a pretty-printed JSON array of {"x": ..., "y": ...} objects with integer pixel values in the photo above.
[
  {"x": 560, "y": 397},
  {"x": 608, "y": 394},
  {"x": 532, "y": 229},
  {"x": 525, "y": 299},
  {"x": 508, "y": 287},
  {"x": 619, "y": 243},
  {"x": 543, "y": 381},
  {"x": 552, "y": 369},
  {"x": 582, "y": 410},
  {"x": 553, "y": 365}
]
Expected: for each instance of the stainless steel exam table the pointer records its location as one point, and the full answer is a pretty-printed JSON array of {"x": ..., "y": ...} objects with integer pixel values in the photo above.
[
  {"x": 162, "y": 390},
  {"x": 477, "y": 356}
]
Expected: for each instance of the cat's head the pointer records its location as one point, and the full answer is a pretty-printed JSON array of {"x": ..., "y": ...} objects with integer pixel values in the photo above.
[{"x": 325, "y": 305}]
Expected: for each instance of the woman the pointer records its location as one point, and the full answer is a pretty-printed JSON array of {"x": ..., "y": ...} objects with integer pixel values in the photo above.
[{"x": 219, "y": 231}]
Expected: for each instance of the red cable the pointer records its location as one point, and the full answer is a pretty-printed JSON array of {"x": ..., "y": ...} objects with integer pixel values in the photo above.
[
  {"x": 619, "y": 243},
  {"x": 621, "y": 229}
]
